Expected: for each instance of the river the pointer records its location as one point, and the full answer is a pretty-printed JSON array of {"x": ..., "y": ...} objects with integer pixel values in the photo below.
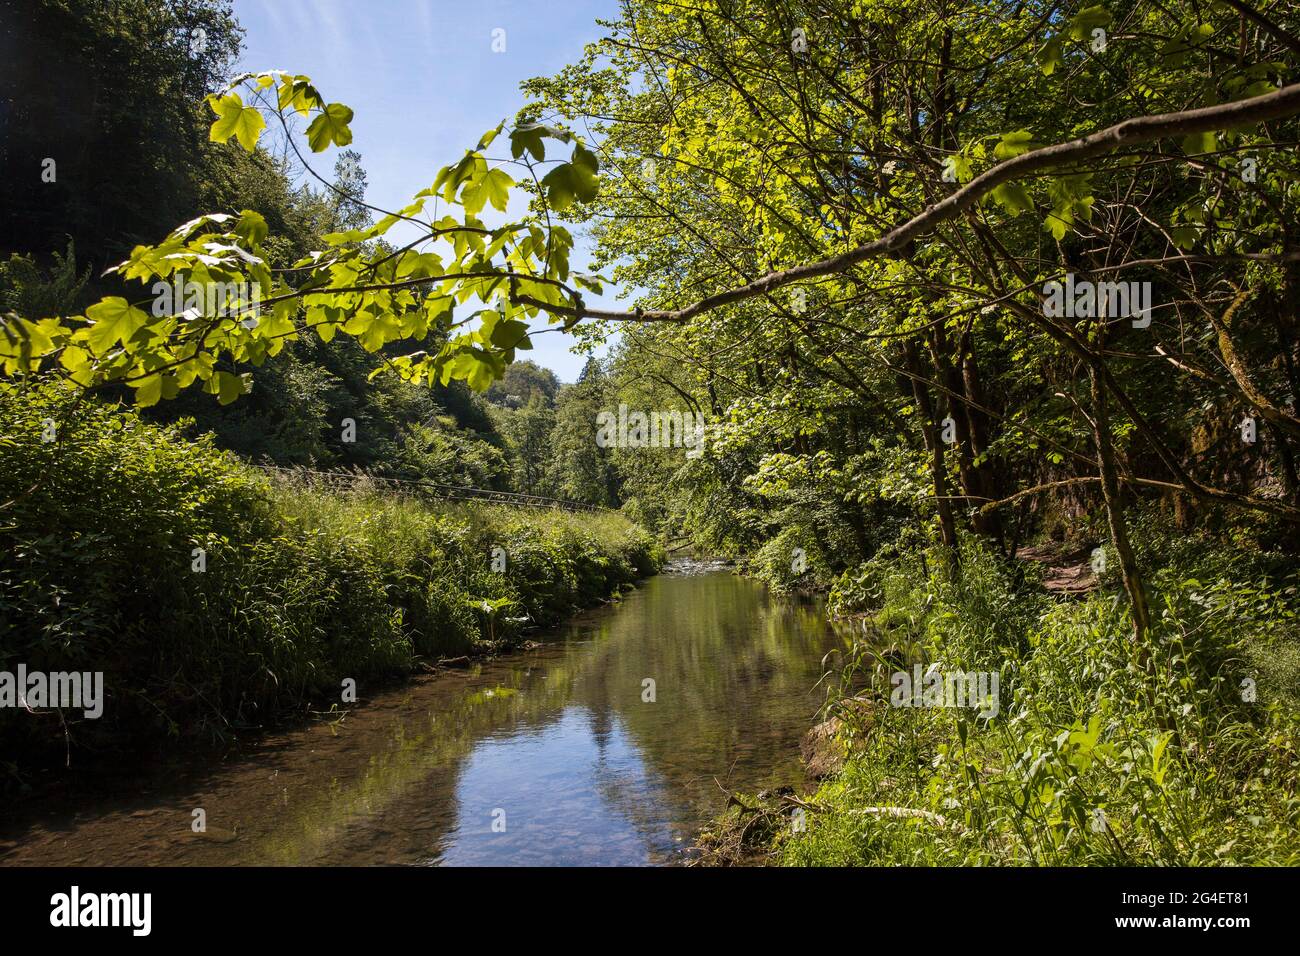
[{"x": 559, "y": 755}]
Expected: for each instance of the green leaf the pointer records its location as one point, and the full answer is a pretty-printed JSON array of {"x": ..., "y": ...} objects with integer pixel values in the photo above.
[
  {"x": 245, "y": 123},
  {"x": 26, "y": 338},
  {"x": 280, "y": 322},
  {"x": 149, "y": 392},
  {"x": 330, "y": 127},
  {"x": 1199, "y": 143},
  {"x": 113, "y": 320},
  {"x": 585, "y": 167},
  {"x": 1013, "y": 197},
  {"x": 1058, "y": 222},
  {"x": 155, "y": 387},
  {"x": 251, "y": 227},
  {"x": 509, "y": 334},
  {"x": 494, "y": 187},
  {"x": 559, "y": 186},
  {"x": 532, "y": 136},
  {"x": 298, "y": 93},
  {"x": 227, "y": 387},
  {"x": 1049, "y": 57},
  {"x": 572, "y": 180},
  {"x": 474, "y": 366},
  {"x": 497, "y": 184},
  {"x": 1088, "y": 19},
  {"x": 961, "y": 167},
  {"x": 1013, "y": 144}
]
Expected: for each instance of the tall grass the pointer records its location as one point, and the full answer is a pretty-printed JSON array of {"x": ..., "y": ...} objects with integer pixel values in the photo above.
[{"x": 302, "y": 586}]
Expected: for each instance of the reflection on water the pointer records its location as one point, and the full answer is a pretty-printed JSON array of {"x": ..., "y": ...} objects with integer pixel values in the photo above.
[
  {"x": 549, "y": 757},
  {"x": 586, "y": 798}
]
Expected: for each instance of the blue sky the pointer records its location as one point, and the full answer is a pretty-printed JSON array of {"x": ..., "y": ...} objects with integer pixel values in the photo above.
[{"x": 424, "y": 83}]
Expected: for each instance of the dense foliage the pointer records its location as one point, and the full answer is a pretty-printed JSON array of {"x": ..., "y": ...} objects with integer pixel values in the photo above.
[
  {"x": 898, "y": 426},
  {"x": 297, "y": 587},
  {"x": 1088, "y": 761},
  {"x": 930, "y": 382}
]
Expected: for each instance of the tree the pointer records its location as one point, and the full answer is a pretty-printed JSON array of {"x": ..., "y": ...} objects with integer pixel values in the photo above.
[
  {"x": 528, "y": 432},
  {"x": 579, "y": 469},
  {"x": 857, "y": 201},
  {"x": 120, "y": 120},
  {"x": 522, "y": 382}
]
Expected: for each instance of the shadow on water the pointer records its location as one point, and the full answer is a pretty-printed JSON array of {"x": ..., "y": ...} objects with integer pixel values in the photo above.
[{"x": 549, "y": 757}]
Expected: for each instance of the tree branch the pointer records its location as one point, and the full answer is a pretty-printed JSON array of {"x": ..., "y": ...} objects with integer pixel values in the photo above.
[{"x": 1258, "y": 109}]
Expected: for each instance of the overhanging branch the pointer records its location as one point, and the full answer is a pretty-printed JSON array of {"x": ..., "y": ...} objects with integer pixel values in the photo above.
[{"x": 1143, "y": 129}]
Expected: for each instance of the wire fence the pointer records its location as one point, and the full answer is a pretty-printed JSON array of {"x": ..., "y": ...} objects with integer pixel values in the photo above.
[{"x": 431, "y": 489}]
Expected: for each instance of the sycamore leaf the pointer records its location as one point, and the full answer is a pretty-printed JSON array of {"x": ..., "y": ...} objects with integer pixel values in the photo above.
[
  {"x": 486, "y": 140},
  {"x": 251, "y": 227},
  {"x": 32, "y": 339},
  {"x": 227, "y": 386},
  {"x": 299, "y": 94},
  {"x": 1059, "y": 221},
  {"x": 154, "y": 388},
  {"x": 559, "y": 186},
  {"x": 149, "y": 392},
  {"x": 510, "y": 334},
  {"x": 497, "y": 186},
  {"x": 585, "y": 166},
  {"x": 1013, "y": 197},
  {"x": 1013, "y": 144},
  {"x": 280, "y": 322},
  {"x": 532, "y": 137},
  {"x": 1086, "y": 20},
  {"x": 245, "y": 123},
  {"x": 494, "y": 187},
  {"x": 1049, "y": 57},
  {"x": 113, "y": 320},
  {"x": 331, "y": 126}
]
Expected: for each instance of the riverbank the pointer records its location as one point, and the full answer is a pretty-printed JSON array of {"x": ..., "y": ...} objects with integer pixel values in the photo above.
[
  {"x": 215, "y": 600},
  {"x": 1085, "y": 755}
]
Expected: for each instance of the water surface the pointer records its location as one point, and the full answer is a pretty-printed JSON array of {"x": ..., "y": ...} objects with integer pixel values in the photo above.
[{"x": 553, "y": 756}]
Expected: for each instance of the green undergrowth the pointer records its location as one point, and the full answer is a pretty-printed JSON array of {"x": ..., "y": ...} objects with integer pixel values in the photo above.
[
  {"x": 1094, "y": 756},
  {"x": 301, "y": 588}
]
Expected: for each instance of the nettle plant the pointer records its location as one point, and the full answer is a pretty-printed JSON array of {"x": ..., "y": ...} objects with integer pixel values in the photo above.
[{"x": 357, "y": 285}]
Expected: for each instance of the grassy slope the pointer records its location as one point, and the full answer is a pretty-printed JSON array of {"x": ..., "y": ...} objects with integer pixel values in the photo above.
[{"x": 302, "y": 587}]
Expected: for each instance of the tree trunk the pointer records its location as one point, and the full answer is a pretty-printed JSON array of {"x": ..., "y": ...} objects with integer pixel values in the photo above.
[
  {"x": 938, "y": 468},
  {"x": 1115, "y": 514}
]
